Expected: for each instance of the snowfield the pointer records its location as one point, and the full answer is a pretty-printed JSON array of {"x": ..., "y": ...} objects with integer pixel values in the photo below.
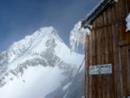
[{"x": 36, "y": 82}]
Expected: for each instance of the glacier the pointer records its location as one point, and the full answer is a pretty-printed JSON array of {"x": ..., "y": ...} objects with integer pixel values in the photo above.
[{"x": 41, "y": 66}]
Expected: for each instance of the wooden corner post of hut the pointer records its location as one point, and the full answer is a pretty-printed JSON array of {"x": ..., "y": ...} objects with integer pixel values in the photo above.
[{"x": 108, "y": 51}]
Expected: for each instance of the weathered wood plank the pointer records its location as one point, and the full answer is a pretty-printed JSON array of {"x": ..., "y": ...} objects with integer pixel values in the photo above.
[{"x": 105, "y": 45}]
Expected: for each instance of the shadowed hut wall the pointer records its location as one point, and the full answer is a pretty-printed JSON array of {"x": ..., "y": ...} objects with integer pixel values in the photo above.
[{"x": 109, "y": 43}]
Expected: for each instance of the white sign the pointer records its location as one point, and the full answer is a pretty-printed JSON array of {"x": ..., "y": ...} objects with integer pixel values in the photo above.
[{"x": 100, "y": 69}]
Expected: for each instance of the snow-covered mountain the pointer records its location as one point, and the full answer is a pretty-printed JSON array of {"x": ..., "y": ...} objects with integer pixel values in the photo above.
[{"x": 38, "y": 66}]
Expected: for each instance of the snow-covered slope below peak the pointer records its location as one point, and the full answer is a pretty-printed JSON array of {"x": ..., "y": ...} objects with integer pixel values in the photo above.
[{"x": 36, "y": 82}]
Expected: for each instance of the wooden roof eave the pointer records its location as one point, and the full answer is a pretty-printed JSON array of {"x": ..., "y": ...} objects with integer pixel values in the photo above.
[{"x": 97, "y": 11}]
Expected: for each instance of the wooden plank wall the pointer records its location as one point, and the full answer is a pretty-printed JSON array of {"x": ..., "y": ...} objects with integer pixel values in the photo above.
[
  {"x": 126, "y": 70},
  {"x": 104, "y": 45}
]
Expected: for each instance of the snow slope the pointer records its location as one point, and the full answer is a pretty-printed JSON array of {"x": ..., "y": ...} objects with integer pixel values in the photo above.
[{"x": 37, "y": 66}]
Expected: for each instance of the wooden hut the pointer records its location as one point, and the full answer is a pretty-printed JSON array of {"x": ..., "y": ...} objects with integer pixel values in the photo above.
[{"x": 108, "y": 51}]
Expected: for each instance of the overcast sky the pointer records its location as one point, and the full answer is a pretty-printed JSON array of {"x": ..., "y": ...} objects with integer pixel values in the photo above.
[{"x": 19, "y": 18}]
